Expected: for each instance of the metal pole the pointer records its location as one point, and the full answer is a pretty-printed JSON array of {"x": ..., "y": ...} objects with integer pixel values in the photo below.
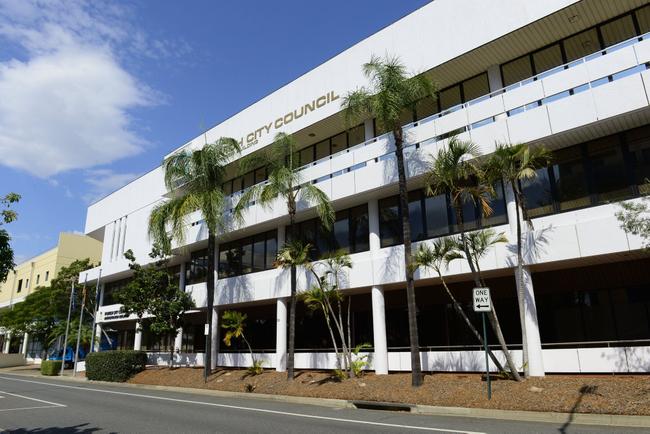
[
  {"x": 97, "y": 294},
  {"x": 487, "y": 363},
  {"x": 67, "y": 328},
  {"x": 81, "y": 318}
]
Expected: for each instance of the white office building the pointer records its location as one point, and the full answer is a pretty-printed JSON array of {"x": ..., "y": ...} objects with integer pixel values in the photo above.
[{"x": 572, "y": 75}]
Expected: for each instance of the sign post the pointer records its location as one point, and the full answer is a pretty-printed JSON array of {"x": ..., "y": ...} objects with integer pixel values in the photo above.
[{"x": 483, "y": 303}]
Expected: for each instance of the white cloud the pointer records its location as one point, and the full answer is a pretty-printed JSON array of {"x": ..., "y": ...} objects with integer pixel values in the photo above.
[
  {"x": 105, "y": 181},
  {"x": 67, "y": 104}
]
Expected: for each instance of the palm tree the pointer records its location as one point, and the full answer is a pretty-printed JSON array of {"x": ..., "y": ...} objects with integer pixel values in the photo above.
[
  {"x": 234, "y": 323},
  {"x": 194, "y": 179},
  {"x": 393, "y": 92},
  {"x": 455, "y": 171},
  {"x": 294, "y": 254},
  {"x": 439, "y": 255},
  {"x": 513, "y": 164}
]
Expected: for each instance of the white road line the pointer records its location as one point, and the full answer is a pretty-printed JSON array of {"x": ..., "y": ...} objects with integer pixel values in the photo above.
[
  {"x": 34, "y": 399},
  {"x": 258, "y": 410},
  {"x": 29, "y": 408}
]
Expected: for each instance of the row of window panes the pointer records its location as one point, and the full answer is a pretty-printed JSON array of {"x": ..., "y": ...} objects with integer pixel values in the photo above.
[
  {"x": 196, "y": 270},
  {"x": 307, "y": 155},
  {"x": 608, "y": 169},
  {"x": 433, "y": 216},
  {"x": 248, "y": 255},
  {"x": 349, "y": 233},
  {"x": 193, "y": 338},
  {"x": 577, "y": 46}
]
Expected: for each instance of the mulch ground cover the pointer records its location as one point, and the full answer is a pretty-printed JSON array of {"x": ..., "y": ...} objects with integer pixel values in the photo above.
[{"x": 604, "y": 394}]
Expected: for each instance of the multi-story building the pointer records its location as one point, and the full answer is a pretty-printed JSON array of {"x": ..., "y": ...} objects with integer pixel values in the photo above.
[
  {"x": 571, "y": 75},
  {"x": 38, "y": 272}
]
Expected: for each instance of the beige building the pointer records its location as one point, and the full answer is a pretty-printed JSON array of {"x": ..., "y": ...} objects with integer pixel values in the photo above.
[{"x": 38, "y": 272}]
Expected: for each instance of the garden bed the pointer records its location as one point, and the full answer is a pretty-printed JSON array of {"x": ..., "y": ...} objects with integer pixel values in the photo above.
[{"x": 603, "y": 394}]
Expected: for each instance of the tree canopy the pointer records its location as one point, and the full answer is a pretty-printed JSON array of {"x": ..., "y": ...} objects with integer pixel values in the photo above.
[{"x": 7, "y": 215}]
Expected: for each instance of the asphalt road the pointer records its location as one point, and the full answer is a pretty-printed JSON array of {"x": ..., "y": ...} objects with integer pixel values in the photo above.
[{"x": 35, "y": 405}]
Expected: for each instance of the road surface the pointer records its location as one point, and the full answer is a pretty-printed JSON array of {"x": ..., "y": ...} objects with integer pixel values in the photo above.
[{"x": 36, "y": 405}]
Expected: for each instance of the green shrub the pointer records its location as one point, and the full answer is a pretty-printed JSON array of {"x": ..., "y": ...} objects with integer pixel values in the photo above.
[
  {"x": 115, "y": 365},
  {"x": 51, "y": 367}
]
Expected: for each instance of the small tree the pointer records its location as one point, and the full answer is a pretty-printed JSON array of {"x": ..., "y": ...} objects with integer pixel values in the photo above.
[
  {"x": 234, "y": 323},
  {"x": 6, "y": 253},
  {"x": 153, "y": 291},
  {"x": 635, "y": 219},
  {"x": 438, "y": 256}
]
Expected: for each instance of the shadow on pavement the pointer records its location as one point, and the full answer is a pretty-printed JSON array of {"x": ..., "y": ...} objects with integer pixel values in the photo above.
[{"x": 75, "y": 429}]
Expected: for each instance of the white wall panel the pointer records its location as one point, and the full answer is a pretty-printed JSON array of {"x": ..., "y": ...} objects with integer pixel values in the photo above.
[
  {"x": 523, "y": 95},
  {"x": 611, "y": 63},
  {"x": 564, "y": 80},
  {"x": 572, "y": 112},
  {"x": 529, "y": 125},
  {"x": 620, "y": 96}
]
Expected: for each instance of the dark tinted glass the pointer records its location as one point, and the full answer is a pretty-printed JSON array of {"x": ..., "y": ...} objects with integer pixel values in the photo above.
[
  {"x": 247, "y": 256},
  {"x": 537, "y": 193},
  {"x": 436, "y": 215},
  {"x": 570, "y": 179},
  {"x": 390, "y": 227},
  {"x": 341, "y": 233},
  {"x": 516, "y": 70},
  {"x": 416, "y": 218},
  {"x": 258, "y": 253},
  {"x": 271, "y": 249},
  {"x": 359, "y": 228},
  {"x": 609, "y": 176}
]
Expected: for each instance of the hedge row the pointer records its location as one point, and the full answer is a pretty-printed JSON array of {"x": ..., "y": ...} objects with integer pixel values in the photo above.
[
  {"x": 115, "y": 365},
  {"x": 51, "y": 367}
]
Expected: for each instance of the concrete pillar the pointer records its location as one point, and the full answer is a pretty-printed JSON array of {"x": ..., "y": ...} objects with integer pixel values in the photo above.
[
  {"x": 137, "y": 342},
  {"x": 369, "y": 129},
  {"x": 373, "y": 225},
  {"x": 495, "y": 83},
  {"x": 23, "y": 350},
  {"x": 98, "y": 337},
  {"x": 7, "y": 342},
  {"x": 281, "y": 335},
  {"x": 178, "y": 343},
  {"x": 533, "y": 340},
  {"x": 380, "y": 359},
  {"x": 214, "y": 350},
  {"x": 181, "y": 277},
  {"x": 282, "y": 236}
]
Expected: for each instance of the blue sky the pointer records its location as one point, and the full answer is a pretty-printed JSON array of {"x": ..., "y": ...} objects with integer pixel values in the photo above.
[{"x": 94, "y": 93}]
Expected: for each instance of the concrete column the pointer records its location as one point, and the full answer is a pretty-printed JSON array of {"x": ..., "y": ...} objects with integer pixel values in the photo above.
[
  {"x": 98, "y": 337},
  {"x": 282, "y": 236},
  {"x": 178, "y": 342},
  {"x": 7, "y": 342},
  {"x": 214, "y": 350},
  {"x": 369, "y": 129},
  {"x": 511, "y": 211},
  {"x": 181, "y": 278},
  {"x": 533, "y": 340},
  {"x": 23, "y": 350},
  {"x": 380, "y": 359},
  {"x": 495, "y": 83},
  {"x": 281, "y": 335},
  {"x": 137, "y": 342},
  {"x": 373, "y": 225}
]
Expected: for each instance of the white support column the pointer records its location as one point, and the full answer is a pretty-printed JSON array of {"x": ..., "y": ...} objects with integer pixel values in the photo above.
[
  {"x": 23, "y": 350},
  {"x": 7, "y": 342},
  {"x": 281, "y": 335},
  {"x": 369, "y": 128},
  {"x": 98, "y": 337},
  {"x": 373, "y": 225},
  {"x": 380, "y": 359},
  {"x": 137, "y": 342},
  {"x": 178, "y": 343},
  {"x": 214, "y": 349},
  {"x": 495, "y": 82}
]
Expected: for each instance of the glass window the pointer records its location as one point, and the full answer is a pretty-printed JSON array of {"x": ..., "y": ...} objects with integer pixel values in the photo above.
[
  {"x": 237, "y": 184},
  {"x": 380, "y": 128},
  {"x": 570, "y": 179},
  {"x": 537, "y": 194},
  {"x": 643, "y": 17},
  {"x": 450, "y": 97},
  {"x": 639, "y": 146},
  {"x": 225, "y": 261},
  {"x": 390, "y": 227},
  {"x": 339, "y": 143},
  {"x": 582, "y": 44},
  {"x": 609, "y": 177},
  {"x": 260, "y": 175},
  {"x": 197, "y": 268},
  {"x": 416, "y": 218},
  {"x": 516, "y": 70},
  {"x": 307, "y": 232},
  {"x": 47, "y": 275},
  {"x": 631, "y": 312},
  {"x": 247, "y": 256},
  {"x": 469, "y": 215},
  {"x": 359, "y": 228},
  {"x": 406, "y": 117},
  {"x": 548, "y": 58},
  {"x": 258, "y": 253},
  {"x": 38, "y": 278},
  {"x": 322, "y": 149},
  {"x": 271, "y": 249},
  {"x": 306, "y": 155},
  {"x": 436, "y": 215},
  {"x": 425, "y": 108},
  {"x": 249, "y": 180},
  {"x": 476, "y": 87},
  {"x": 357, "y": 135},
  {"x": 341, "y": 233},
  {"x": 498, "y": 205},
  {"x": 227, "y": 188},
  {"x": 618, "y": 30}
]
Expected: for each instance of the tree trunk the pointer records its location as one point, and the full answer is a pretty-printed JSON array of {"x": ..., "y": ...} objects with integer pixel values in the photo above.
[
  {"x": 210, "y": 302},
  {"x": 459, "y": 310},
  {"x": 352, "y": 374},
  {"x": 416, "y": 369},
  {"x": 520, "y": 287},
  {"x": 171, "y": 353},
  {"x": 292, "y": 307}
]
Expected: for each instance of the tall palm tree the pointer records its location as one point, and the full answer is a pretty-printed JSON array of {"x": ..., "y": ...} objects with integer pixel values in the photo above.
[
  {"x": 438, "y": 256},
  {"x": 514, "y": 163},
  {"x": 455, "y": 171},
  {"x": 392, "y": 92},
  {"x": 284, "y": 181},
  {"x": 194, "y": 179}
]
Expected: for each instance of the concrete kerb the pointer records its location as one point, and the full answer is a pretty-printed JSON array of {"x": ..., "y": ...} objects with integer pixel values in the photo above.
[{"x": 428, "y": 410}]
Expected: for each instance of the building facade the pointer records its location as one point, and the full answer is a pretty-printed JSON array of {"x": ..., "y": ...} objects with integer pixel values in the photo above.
[
  {"x": 38, "y": 272},
  {"x": 571, "y": 75}
]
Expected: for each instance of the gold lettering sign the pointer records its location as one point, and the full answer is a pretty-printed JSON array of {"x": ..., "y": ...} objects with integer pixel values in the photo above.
[{"x": 253, "y": 137}]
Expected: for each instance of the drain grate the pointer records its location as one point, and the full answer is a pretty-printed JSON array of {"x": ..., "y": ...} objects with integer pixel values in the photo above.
[{"x": 384, "y": 406}]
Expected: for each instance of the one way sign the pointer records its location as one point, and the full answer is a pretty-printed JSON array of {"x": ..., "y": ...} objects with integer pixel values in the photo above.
[{"x": 482, "y": 300}]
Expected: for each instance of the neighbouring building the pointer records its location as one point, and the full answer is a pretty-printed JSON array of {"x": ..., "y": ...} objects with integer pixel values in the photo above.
[
  {"x": 572, "y": 75},
  {"x": 38, "y": 272}
]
